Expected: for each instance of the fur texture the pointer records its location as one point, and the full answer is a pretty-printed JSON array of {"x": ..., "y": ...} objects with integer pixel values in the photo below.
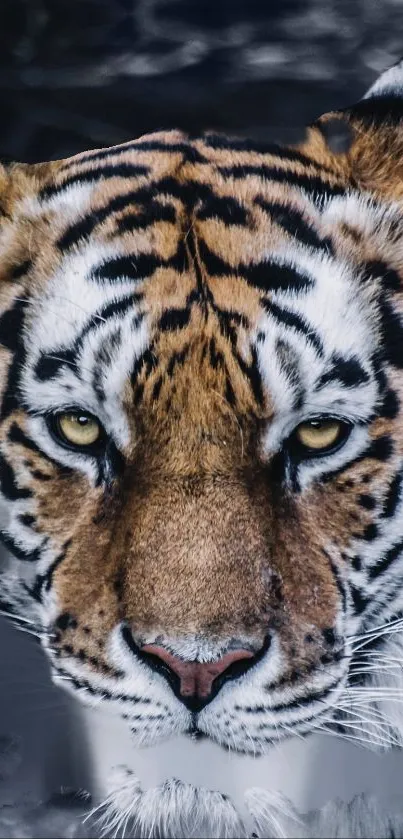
[{"x": 203, "y": 297}]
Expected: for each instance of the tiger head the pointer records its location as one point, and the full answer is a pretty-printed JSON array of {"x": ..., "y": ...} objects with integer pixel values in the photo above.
[{"x": 201, "y": 439}]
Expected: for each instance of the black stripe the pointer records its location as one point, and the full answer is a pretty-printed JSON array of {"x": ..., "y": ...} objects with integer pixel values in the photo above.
[
  {"x": 300, "y": 701},
  {"x": 379, "y": 449},
  {"x": 253, "y": 374},
  {"x": 392, "y": 331},
  {"x": 118, "y": 307},
  {"x": 310, "y": 183},
  {"x": 121, "y": 306},
  {"x": 27, "y": 520},
  {"x": 338, "y": 578},
  {"x": 392, "y": 497},
  {"x": 375, "y": 269},
  {"x": 190, "y": 152},
  {"x": 360, "y": 602},
  {"x": 293, "y": 222},
  {"x": 174, "y": 319},
  {"x": 293, "y": 321},
  {"x": 133, "y": 267},
  {"x": 20, "y": 270},
  {"x": 47, "y": 367},
  {"x": 80, "y": 684},
  {"x": 24, "y": 555},
  {"x": 218, "y": 141},
  {"x": 347, "y": 371},
  {"x": 17, "y": 435},
  {"x": 121, "y": 170},
  {"x": 144, "y": 196},
  {"x": 157, "y": 389},
  {"x": 367, "y": 501},
  {"x": 8, "y": 483},
  {"x": 84, "y": 227},
  {"x": 11, "y": 396},
  {"x": 177, "y": 358},
  {"x": 154, "y": 212},
  {"x": 384, "y": 563},
  {"x": 226, "y": 209},
  {"x": 12, "y": 335},
  {"x": 214, "y": 264},
  {"x": 145, "y": 361},
  {"x": 44, "y": 581},
  {"x": 390, "y": 405},
  {"x": 269, "y": 276},
  {"x": 266, "y": 276},
  {"x": 11, "y": 323},
  {"x": 81, "y": 229}
]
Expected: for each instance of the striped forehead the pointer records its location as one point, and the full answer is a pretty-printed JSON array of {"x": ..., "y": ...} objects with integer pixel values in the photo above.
[{"x": 186, "y": 243}]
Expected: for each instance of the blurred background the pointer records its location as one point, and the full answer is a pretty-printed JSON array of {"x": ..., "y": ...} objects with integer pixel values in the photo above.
[{"x": 76, "y": 74}]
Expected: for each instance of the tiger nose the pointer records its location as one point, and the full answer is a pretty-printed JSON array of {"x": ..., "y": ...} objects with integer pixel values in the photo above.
[{"x": 195, "y": 682}]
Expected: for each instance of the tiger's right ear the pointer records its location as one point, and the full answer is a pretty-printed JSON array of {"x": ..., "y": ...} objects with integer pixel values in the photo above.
[{"x": 365, "y": 141}]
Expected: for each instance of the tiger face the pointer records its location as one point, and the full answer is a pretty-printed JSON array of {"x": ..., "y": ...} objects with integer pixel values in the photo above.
[{"x": 200, "y": 433}]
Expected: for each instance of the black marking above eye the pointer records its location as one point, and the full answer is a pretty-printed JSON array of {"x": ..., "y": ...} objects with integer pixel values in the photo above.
[
  {"x": 266, "y": 275},
  {"x": 272, "y": 276},
  {"x": 348, "y": 371},
  {"x": 133, "y": 267},
  {"x": 295, "y": 321},
  {"x": 48, "y": 366}
]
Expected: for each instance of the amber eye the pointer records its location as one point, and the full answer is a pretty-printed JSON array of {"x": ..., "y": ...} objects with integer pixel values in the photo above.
[
  {"x": 321, "y": 435},
  {"x": 77, "y": 429}
]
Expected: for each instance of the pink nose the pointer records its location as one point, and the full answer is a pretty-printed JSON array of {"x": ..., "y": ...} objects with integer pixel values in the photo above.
[{"x": 196, "y": 678}]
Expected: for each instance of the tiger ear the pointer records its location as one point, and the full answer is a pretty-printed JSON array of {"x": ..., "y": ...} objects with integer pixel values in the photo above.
[{"x": 367, "y": 138}]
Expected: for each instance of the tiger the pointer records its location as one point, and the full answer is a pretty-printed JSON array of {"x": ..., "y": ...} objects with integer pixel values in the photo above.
[{"x": 201, "y": 444}]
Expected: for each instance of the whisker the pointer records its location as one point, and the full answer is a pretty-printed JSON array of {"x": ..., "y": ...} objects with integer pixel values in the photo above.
[
  {"x": 376, "y": 629},
  {"x": 73, "y": 364},
  {"x": 93, "y": 316},
  {"x": 43, "y": 305}
]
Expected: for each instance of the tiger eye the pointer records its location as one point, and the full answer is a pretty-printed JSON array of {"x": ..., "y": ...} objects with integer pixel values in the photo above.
[
  {"x": 78, "y": 429},
  {"x": 319, "y": 434}
]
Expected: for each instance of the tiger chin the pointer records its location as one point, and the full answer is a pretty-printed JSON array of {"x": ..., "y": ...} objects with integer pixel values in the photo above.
[{"x": 201, "y": 438}]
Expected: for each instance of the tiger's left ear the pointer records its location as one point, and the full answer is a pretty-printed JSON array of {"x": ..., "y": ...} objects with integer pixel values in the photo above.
[{"x": 365, "y": 141}]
